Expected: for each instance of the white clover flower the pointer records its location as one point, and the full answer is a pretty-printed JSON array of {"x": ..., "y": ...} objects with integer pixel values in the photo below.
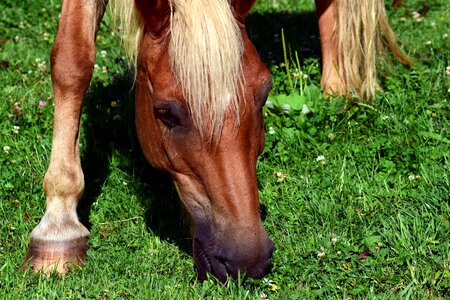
[
  {"x": 96, "y": 67},
  {"x": 41, "y": 64},
  {"x": 334, "y": 239},
  {"x": 15, "y": 129},
  {"x": 321, "y": 159},
  {"x": 411, "y": 177},
  {"x": 416, "y": 16},
  {"x": 281, "y": 176},
  {"x": 6, "y": 149},
  {"x": 45, "y": 36},
  {"x": 104, "y": 69},
  {"x": 428, "y": 43},
  {"x": 448, "y": 70},
  {"x": 103, "y": 53},
  {"x": 445, "y": 36},
  {"x": 305, "y": 76},
  {"x": 330, "y": 136},
  {"x": 271, "y": 130},
  {"x": 321, "y": 252}
]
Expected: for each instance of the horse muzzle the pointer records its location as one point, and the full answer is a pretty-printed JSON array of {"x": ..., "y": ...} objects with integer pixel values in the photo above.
[{"x": 247, "y": 256}]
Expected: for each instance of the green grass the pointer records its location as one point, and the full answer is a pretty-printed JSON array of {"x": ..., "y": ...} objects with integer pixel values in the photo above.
[{"x": 371, "y": 220}]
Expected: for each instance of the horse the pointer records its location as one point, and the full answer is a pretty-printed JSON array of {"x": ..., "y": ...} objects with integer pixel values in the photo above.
[{"x": 200, "y": 88}]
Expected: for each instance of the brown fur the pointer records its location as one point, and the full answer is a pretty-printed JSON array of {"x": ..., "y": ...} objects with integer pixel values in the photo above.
[{"x": 216, "y": 181}]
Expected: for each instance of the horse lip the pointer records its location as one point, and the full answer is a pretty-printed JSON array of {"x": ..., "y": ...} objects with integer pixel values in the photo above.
[
  {"x": 210, "y": 264},
  {"x": 202, "y": 261},
  {"x": 224, "y": 262},
  {"x": 259, "y": 272}
]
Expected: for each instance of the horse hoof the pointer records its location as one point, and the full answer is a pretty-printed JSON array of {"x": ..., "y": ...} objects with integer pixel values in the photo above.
[{"x": 55, "y": 256}]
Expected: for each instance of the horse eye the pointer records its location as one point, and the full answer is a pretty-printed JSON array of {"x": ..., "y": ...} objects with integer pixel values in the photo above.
[
  {"x": 264, "y": 93},
  {"x": 167, "y": 118},
  {"x": 170, "y": 113}
]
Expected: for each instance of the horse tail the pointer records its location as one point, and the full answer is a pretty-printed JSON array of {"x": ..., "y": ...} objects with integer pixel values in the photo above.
[
  {"x": 359, "y": 41},
  {"x": 391, "y": 40},
  {"x": 127, "y": 23}
]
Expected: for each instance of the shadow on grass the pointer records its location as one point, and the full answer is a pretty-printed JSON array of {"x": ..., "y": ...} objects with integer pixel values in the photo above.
[
  {"x": 301, "y": 34},
  {"x": 109, "y": 126}
]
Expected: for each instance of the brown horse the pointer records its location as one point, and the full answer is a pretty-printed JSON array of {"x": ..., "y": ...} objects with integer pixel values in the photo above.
[{"x": 200, "y": 89}]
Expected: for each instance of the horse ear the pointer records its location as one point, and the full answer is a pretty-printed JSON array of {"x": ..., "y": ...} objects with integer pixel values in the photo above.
[
  {"x": 155, "y": 14},
  {"x": 241, "y": 8}
]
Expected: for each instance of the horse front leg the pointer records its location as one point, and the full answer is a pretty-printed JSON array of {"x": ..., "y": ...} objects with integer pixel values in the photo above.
[
  {"x": 332, "y": 81},
  {"x": 60, "y": 240}
]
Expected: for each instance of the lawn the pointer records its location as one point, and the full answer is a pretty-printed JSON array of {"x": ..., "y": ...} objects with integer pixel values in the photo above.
[{"x": 356, "y": 197}]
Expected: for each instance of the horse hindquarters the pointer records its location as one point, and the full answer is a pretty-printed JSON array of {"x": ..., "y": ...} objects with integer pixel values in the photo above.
[
  {"x": 350, "y": 41},
  {"x": 60, "y": 238}
]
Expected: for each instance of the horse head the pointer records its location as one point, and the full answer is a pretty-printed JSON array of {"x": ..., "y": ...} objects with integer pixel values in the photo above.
[{"x": 200, "y": 89}]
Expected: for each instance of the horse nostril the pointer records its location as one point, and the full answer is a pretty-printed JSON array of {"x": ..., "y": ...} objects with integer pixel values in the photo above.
[
  {"x": 221, "y": 259},
  {"x": 225, "y": 263}
]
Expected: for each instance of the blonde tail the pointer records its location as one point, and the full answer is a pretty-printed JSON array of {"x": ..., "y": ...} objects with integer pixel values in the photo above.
[{"x": 359, "y": 41}]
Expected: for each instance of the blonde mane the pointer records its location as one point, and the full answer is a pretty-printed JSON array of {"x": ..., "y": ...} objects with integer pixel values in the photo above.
[
  {"x": 205, "y": 51},
  {"x": 126, "y": 23}
]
